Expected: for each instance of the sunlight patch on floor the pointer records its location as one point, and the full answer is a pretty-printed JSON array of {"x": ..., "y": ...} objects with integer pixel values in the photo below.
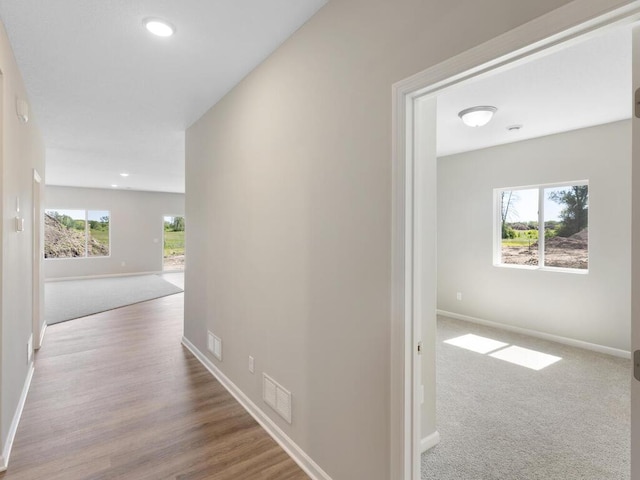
[
  {"x": 475, "y": 343},
  {"x": 525, "y": 358},
  {"x": 513, "y": 354}
]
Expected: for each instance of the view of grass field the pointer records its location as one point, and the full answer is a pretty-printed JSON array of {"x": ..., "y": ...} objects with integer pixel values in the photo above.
[
  {"x": 173, "y": 255},
  {"x": 100, "y": 236},
  {"x": 523, "y": 238},
  {"x": 173, "y": 243}
]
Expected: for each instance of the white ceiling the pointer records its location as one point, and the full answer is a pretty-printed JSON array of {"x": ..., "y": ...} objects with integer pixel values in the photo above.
[
  {"x": 110, "y": 97},
  {"x": 583, "y": 85}
]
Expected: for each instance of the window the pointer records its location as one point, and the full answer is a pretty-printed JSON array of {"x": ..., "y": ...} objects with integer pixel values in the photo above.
[
  {"x": 173, "y": 245},
  {"x": 545, "y": 226},
  {"x": 76, "y": 233}
]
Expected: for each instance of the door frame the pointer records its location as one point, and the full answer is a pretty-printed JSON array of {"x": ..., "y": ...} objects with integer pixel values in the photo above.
[
  {"x": 37, "y": 277},
  {"x": 413, "y": 224}
]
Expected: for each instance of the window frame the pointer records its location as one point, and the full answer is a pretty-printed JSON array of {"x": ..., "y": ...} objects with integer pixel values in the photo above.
[
  {"x": 497, "y": 228},
  {"x": 86, "y": 232}
]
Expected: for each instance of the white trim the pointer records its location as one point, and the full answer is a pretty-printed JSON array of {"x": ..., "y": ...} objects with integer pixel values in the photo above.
[
  {"x": 37, "y": 254},
  {"x": 537, "y": 37},
  {"x": 535, "y": 333},
  {"x": 6, "y": 452},
  {"x": 430, "y": 441},
  {"x": 289, "y": 446},
  {"x": 109, "y": 275},
  {"x": 43, "y": 328}
]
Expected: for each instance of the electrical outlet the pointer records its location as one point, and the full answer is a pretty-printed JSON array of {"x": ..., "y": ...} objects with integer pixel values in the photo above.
[
  {"x": 251, "y": 364},
  {"x": 459, "y": 296}
]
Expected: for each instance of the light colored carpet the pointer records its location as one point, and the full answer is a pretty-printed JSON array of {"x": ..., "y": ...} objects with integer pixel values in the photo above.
[
  {"x": 497, "y": 420},
  {"x": 71, "y": 299}
]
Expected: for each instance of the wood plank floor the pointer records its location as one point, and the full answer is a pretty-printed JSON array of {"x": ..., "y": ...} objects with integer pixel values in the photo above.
[{"x": 116, "y": 396}]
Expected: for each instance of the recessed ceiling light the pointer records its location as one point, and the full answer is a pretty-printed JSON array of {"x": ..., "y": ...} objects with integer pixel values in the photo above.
[
  {"x": 124, "y": 174},
  {"x": 114, "y": 186},
  {"x": 477, "y": 116},
  {"x": 159, "y": 27}
]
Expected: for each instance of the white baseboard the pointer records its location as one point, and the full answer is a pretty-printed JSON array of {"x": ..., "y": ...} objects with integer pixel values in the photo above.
[
  {"x": 303, "y": 460},
  {"x": 545, "y": 336},
  {"x": 6, "y": 451},
  {"x": 108, "y": 275},
  {"x": 429, "y": 441},
  {"x": 43, "y": 328}
]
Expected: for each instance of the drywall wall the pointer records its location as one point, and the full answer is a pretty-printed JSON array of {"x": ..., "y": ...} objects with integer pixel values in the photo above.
[
  {"x": 136, "y": 226},
  {"x": 22, "y": 152},
  {"x": 592, "y": 308},
  {"x": 288, "y": 182}
]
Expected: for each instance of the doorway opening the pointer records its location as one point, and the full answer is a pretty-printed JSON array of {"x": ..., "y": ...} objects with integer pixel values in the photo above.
[
  {"x": 173, "y": 252},
  {"x": 415, "y": 238}
]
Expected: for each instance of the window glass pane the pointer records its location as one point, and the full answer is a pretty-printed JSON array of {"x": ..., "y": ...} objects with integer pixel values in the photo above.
[
  {"x": 64, "y": 233},
  {"x": 519, "y": 226},
  {"x": 173, "y": 258},
  {"x": 566, "y": 224},
  {"x": 98, "y": 241}
]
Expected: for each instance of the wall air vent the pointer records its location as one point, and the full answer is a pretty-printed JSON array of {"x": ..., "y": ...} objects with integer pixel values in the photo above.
[
  {"x": 277, "y": 397},
  {"x": 214, "y": 345}
]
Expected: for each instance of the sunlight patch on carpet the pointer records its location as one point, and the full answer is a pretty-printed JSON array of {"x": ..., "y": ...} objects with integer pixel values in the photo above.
[
  {"x": 476, "y": 343},
  {"x": 526, "y": 358}
]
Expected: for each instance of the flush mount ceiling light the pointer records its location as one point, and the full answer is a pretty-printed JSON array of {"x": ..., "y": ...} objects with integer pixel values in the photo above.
[
  {"x": 477, "y": 116},
  {"x": 114, "y": 186},
  {"x": 159, "y": 27},
  {"x": 124, "y": 174}
]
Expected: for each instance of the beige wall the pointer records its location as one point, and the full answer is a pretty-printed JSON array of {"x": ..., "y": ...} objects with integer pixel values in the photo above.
[
  {"x": 136, "y": 229},
  {"x": 593, "y": 308},
  {"x": 22, "y": 151},
  {"x": 289, "y": 204}
]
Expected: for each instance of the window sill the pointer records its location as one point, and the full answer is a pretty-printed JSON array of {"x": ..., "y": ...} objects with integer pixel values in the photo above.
[{"x": 576, "y": 271}]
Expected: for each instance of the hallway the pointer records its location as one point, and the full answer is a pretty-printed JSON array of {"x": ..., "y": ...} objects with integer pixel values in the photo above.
[{"x": 115, "y": 395}]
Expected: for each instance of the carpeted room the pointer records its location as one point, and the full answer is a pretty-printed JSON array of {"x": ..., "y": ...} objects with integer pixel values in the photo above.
[
  {"x": 498, "y": 417},
  {"x": 501, "y": 420},
  {"x": 72, "y": 299},
  {"x": 112, "y": 256}
]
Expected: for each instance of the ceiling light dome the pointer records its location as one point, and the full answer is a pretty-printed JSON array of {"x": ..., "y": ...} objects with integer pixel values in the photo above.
[
  {"x": 158, "y": 27},
  {"x": 477, "y": 116}
]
